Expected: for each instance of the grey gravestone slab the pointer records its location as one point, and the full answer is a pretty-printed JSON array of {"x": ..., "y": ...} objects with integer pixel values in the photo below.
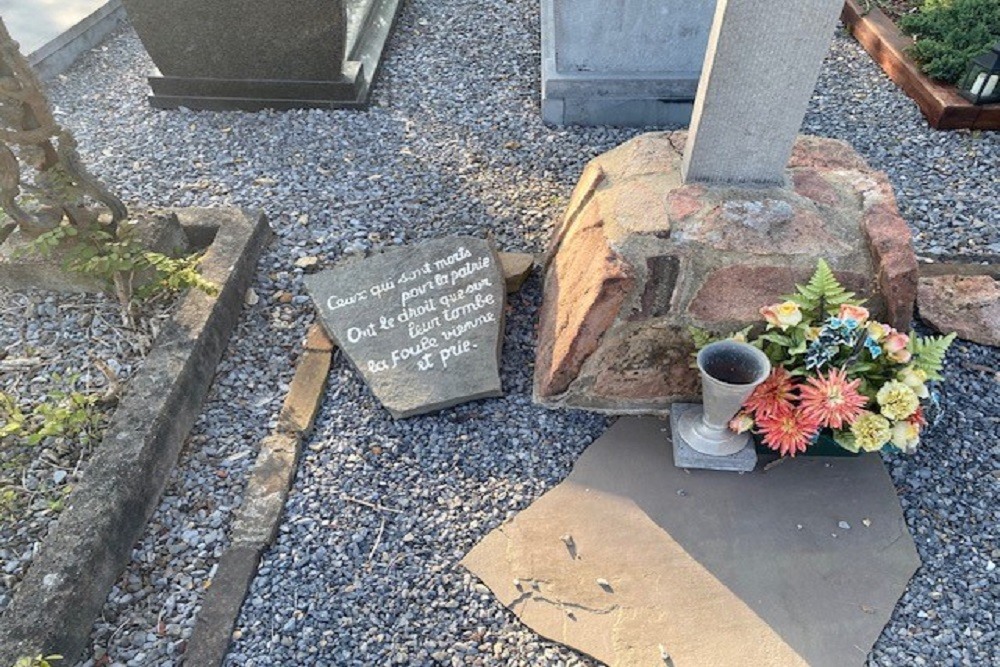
[
  {"x": 752, "y": 569},
  {"x": 763, "y": 59},
  {"x": 633, "y": 62},
  {"x": 423, "y": 324},
  {"x": 744, "y": 460}
]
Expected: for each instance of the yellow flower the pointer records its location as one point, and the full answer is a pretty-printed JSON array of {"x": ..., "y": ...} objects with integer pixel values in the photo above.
[
  {"x": 877, "y": 330},
  {"x": 914, "y": 378},
  {"x": 896, "y": 400},
  {"x": 906, "y": 436},
  {"x": 871, "y": 431},
  {"x": 812, "y": 333},
  {"x": 782, "y": 315}
]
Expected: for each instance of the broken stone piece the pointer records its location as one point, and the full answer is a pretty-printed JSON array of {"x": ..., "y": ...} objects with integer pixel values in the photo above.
[
  {"x": 422, "y": 324},
  {"x": 516, "y": 267},
  {"x": 967, "y": 305}
]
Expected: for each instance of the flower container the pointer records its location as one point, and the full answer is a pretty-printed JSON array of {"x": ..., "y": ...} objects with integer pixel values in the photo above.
[{"x": 825, "y": 445}]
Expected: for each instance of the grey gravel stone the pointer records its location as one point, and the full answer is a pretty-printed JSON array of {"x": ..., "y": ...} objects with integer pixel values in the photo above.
[{"x": 473, "y": 158}]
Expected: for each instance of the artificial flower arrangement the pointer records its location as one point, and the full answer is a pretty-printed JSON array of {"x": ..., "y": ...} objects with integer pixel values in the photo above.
[{"x": 837, "y": 372}]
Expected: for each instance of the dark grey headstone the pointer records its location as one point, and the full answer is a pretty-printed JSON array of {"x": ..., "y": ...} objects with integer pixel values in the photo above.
[
  {"x": 423, "y": 324},
  {"x": 261, "y": 54},
  {"x": 243, "y": 39}
]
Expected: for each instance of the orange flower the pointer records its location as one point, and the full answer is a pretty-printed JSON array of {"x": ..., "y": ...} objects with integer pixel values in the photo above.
[
  {"x": 833, "y": 400},
  {"x": 850, "y": 312},
  {"x": 918, "y": 418},
  {"x": 774, "y": 394},
  {"x": 788, "y": 431}
]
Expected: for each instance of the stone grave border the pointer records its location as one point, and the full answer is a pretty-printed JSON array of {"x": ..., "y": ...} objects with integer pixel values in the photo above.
[
  {"x": 58, "y": 55},
  {"x": 941, "y": 105},
  {"x": 54, "y": 607}
]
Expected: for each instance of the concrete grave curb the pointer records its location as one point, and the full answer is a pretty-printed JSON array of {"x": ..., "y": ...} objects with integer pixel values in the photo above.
[
  {"x": 256, "y": 522},
  {"x": 54, "y": 607},
  {"x": 58, "y": 55}
]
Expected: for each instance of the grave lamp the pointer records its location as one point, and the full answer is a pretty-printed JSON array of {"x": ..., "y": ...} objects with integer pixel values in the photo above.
[{"x": 981, "y": 82}]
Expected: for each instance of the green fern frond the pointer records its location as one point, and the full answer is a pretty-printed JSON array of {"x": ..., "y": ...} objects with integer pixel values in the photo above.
[
  {"x": 700, "y": 337},
  {"x": 822, "y": 292},
  {"x": 928, "y": 353}
]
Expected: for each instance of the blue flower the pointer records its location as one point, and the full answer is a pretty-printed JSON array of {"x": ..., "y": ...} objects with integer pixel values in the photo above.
[{"x": 873, "y": 347}]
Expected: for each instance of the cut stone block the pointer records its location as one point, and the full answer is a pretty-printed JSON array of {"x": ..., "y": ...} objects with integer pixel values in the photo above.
[
  {"x": 967, "y": 305},
  {"x": 762, "y": 62},
  {"x": 630, "y": 558},
  {"x": 423, "y": 324},
  {"x": 639, "y": 258},
  {"x": 685, "y": 456}
]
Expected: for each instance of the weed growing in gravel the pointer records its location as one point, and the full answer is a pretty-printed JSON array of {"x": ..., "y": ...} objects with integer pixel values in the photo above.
[
  {"x": 37, "y": 661},
  {"x": 62, "y": 416},
  {"x": 118, "y": 259}
]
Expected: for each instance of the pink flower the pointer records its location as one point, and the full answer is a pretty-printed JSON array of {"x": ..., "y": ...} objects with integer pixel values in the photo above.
[
  {"x": 895, "y": 347},
  {"x": 857, "y": 313},
  {"x": 788, "y": 431},
  {"x": 741, "y": 423},
  {"x": 833, "y": 400}
]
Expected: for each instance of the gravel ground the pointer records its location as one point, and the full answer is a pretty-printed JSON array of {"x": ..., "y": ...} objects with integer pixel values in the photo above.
[
  {"x": 454, "y": 145},
  {"x": 49, "y": 343}
]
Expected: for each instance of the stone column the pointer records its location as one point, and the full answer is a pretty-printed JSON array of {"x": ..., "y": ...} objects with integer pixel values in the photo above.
[{"x": 761, "y": 66}]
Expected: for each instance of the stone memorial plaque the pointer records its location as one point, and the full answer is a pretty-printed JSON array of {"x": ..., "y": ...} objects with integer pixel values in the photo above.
[{"x": 423, "y": 324}]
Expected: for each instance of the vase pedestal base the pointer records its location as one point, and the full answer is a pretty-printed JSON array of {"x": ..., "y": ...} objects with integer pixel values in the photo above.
[{"x": 685, "y": 456}]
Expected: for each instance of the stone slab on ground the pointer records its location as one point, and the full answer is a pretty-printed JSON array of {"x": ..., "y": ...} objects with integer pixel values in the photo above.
[
  {"x": 423, "y": 324},
  {"x": 967, "y": 305},
  {"x": 37, "y": 23},
  {"x": 640, "y": 257},
  {"x": 54, "y": 606},
  {"x": 55, "y": 33},
  {"x": 630, "y": 556}
]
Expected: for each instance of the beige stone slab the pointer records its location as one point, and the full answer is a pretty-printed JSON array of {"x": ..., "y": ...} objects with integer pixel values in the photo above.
[{"x": 631, "y": 556}]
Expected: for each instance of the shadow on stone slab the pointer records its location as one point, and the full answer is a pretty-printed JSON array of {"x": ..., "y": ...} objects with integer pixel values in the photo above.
[
  {"x": 54, "y": 606},
  {"x": 715, "y": 568}
]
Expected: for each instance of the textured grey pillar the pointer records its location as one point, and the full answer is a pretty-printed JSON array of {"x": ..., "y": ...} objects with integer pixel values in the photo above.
[{"x": 762, "y": 63}]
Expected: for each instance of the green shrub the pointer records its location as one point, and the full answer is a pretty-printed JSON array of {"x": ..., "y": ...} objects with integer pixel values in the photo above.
[{"x": 950, "y": 32}]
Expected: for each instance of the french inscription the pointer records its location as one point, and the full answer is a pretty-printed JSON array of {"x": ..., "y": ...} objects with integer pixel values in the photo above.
[{"x": 422, "y": 324}]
